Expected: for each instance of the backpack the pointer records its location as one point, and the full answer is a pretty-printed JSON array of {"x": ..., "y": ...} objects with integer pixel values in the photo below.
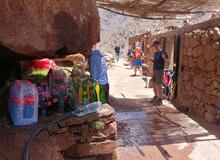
[
  {"x": 166, "y": 78},
  {"x": 138, "y": 53}
]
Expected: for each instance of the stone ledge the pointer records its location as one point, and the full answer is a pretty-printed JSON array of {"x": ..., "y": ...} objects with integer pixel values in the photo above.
[
  {"x": 91, "y": 149},
  {"x": 81, "y": 134},
  {"x": 106, "y": 111}
]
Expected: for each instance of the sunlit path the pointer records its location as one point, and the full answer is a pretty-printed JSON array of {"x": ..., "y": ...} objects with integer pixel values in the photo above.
[{"x": 147, "y": 132}]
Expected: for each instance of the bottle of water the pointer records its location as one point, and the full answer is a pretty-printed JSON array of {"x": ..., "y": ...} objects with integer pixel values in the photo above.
[{"x": 87, "y": 109}]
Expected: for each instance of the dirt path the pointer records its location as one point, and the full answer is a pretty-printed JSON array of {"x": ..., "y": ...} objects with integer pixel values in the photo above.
[{"x": 147, "y": 132}]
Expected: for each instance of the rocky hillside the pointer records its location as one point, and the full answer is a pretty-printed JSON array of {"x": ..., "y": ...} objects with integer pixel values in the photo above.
[{"x": 116, "y": 29}]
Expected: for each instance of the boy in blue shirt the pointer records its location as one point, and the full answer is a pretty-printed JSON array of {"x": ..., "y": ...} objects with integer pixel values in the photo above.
[{"x": 98, "y": 70}]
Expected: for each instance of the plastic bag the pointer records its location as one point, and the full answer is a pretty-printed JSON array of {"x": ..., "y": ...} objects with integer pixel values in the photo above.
[
  {"x": 23, "y": 103},
  {"x": 45, "y": 96},
  {"x": 57, "y": 75},
  {"x": 58, "y": 87}
]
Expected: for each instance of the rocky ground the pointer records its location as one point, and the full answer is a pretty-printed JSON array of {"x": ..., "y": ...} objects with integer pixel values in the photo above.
[{"x": 147, "y": 132}]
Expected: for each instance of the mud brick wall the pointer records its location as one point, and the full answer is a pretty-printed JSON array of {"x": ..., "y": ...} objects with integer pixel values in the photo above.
[{"x": 199, "y": 81}]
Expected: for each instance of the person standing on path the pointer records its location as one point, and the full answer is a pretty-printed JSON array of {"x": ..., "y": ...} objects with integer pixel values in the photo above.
[
  {"x": 137, "y": 63},
  {"x": 98, "y": 69},
  {"x": 117, "y": 52},
  {"x": 158, "y": 72}
]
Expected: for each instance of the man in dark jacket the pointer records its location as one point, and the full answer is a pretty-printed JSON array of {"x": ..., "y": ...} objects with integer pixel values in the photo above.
[
  {"x": 158, "y": 72},
  {"x": 117, "y": 52}
]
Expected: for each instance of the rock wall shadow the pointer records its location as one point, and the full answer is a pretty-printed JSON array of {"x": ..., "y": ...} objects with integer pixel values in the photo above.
[{"x": 68, "y": 30}]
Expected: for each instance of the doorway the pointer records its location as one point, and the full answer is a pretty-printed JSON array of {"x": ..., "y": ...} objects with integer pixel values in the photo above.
[{"x": 177, "y": 47}]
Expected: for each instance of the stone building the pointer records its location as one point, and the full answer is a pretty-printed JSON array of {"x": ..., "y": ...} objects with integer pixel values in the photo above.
[{"x": 195, "y": 51}]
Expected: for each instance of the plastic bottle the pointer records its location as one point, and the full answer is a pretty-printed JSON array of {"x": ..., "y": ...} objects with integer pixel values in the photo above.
[
  {"x": 72, "y": 99},
  {"x": 85, "y": 95},
  {"x": 102, "y": 95},
  {"x": 88, "y": 87},
  {"x": 97, "y": 89},
  {"x": 23, "y": 103},
  {"x": 80, "y": 93},
  {"x": 87, "y": 109},
  {"x": 93, "y": 93}
]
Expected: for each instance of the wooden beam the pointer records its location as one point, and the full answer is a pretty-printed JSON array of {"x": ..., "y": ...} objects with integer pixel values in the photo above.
[
  {"x": 134, "y": 3},
  {"x": 159, "y": 4},
  {"x": 188, "y": 11},
  {"x": 154, "y": 7},
  {"x": 145, "y": 17},
  {"x": 179, "y": 12},
  {"x": 196, "y": 5}
]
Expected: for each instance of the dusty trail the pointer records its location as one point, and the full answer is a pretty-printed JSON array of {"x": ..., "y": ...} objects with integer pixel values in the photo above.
[{"x": 147, "y": 132}]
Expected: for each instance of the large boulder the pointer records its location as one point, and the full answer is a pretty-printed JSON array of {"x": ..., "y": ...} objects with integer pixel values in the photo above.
[{"x": 41, "y": 27}]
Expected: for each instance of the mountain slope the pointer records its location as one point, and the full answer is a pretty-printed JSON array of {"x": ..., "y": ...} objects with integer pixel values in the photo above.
[{"x": 116, "y": 29}]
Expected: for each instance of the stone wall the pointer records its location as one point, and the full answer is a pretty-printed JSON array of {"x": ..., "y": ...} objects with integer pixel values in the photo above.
[
  {"x": 199, "y": 81},
  {"x": 90, "y": 135}
]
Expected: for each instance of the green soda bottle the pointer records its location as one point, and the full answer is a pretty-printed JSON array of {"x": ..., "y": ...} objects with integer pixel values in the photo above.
[
  {"x": 85, "y": 95},
  {"x": 93, "y": 92},
  {"x": 89, "y": 87},
  {"x": 102, "y": 94}
]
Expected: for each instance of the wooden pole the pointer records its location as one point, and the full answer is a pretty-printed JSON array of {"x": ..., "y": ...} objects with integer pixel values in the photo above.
[{"x": 144, "y": 17}]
